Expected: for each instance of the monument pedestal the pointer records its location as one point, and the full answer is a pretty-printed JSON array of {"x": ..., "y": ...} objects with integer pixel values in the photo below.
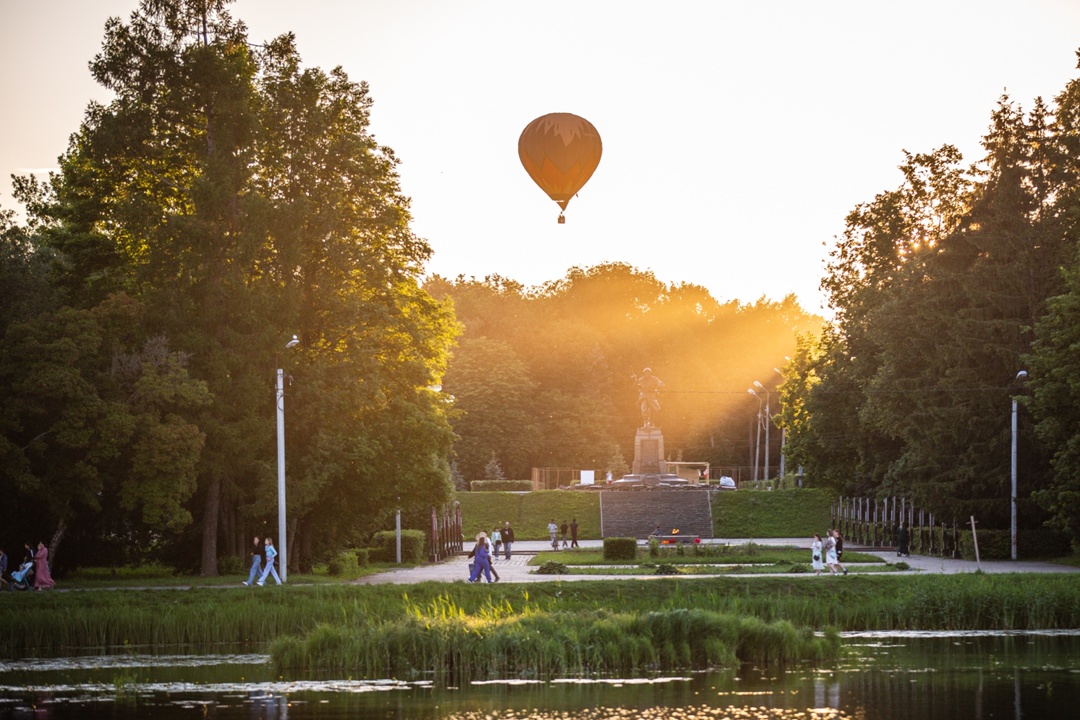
[{"x": 649, "y": 452}]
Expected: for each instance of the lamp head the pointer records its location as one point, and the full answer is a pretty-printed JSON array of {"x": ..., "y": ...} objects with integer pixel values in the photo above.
[
  {"x": 757, "y": 384},
  {"x": 1021, "y": 375},
  {"x": 292, "y": 343}
]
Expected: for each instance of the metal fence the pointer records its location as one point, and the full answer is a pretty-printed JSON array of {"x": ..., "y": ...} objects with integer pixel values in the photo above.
[{"x": 875, "y": 522}]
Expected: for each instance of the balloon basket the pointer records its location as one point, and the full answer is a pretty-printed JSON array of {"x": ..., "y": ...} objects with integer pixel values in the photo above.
[{"x": 562, "y": 219}]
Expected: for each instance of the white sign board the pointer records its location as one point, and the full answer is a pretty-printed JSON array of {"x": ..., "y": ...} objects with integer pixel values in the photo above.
[{"x": 587, "y": 477}]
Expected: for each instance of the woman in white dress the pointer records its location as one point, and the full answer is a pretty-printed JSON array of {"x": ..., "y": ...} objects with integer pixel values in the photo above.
[{"x": 815, "y": 555}]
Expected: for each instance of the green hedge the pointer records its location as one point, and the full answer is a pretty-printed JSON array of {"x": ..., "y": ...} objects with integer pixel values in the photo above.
[
  {"x": 413, "y": 547},
  {"x": 798, "y": 512},
  {"x": 997, "y": 544},
  {"x": 344, "y": 564},
  {"x": 620, "y": 548},
  {"x": 529, "y": 513}
]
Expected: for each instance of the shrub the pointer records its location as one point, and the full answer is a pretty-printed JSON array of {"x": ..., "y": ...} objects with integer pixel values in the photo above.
[
  {"x": 666, "y": 569},
  {"x": 362, "y": 556},
  {"x": 620, "y": 548},
  {"x": 344, "y": 563},
  {"x": 230, "y": 565},
  {"x": 654, "y": 547},
  {"x": 413, "y": 546},
  {"x": 552, "y": 568}
]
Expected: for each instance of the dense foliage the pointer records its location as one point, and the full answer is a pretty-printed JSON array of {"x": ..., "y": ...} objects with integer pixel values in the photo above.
[
  {"x": 225, "y": 199},
  {"x": 944, "y": 289},
  {"x": 544, "y": 377}
]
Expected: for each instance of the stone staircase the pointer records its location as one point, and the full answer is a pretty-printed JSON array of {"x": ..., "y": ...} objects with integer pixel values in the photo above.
[{"x": 634, "y": 513}]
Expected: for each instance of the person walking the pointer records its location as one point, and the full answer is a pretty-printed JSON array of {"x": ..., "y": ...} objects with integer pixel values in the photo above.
[
  {"x": 839, "y": 550},
  {"x": 815, "y": 555},
  {"x": 903, "y": 540},
  {"x": 829, "y": 545},
  {"x": 496, "y": 543},
  {"x": 256, "y": 561},
  {"x": 507, "y": 538},
  {"x": 268, "y": 566},
  {"x": 481, "y": 557},
  {"x": 573, "y": 533},
  {"x": 553, "y": 533},
  {"x": 42, "y": 577}
]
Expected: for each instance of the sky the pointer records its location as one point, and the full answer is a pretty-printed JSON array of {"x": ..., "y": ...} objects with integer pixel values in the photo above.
[{"x": 737, "y": 135}]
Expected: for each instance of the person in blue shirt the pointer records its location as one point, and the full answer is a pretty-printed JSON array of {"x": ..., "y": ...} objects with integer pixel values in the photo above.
[{"x": 268, "y": 567}]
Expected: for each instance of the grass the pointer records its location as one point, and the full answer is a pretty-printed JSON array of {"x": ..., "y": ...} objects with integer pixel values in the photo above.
[
  {"x": 779, "y": 513},
  {"x": 443, "y": 639},
  {"x": 703, "y": 554},
  {"x": 529, "y": 513},
  {"x": 52, "y": 622},
  {"x": 164, "y": 577},
  {"x": 649, "y": 568}
]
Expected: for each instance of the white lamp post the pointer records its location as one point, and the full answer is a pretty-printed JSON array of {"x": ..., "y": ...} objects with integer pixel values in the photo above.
[
  {"x": 783, "y": 430},
  {"x": 1012, "y": 527},
  {"x": 757, "y": 446},
  {"x": 768, "y": 422},
  {"x": 280, "y": 403}
]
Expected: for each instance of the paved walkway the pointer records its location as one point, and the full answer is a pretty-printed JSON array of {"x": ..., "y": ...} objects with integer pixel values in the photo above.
[{"x": 517, "y": 569}]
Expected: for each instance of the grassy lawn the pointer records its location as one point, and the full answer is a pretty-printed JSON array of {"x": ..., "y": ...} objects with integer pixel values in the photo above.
[
  {"x": 684, "y": 570},
  {"x": 158, "y": 576},
  {"x": 749, "y": 554}
]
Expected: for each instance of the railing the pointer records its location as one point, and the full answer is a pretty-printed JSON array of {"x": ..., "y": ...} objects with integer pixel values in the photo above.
[
  {"x": 446, "y": 538},
  {"x": 875, "y": 521}
]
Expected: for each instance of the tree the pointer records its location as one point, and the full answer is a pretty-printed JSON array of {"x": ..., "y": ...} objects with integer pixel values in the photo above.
[{"x": 240, "y": 199}]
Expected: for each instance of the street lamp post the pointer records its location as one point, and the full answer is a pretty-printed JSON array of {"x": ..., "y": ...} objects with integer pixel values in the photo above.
[
  {"x": 1012, "y": 526},
  {"x": 280, "y": 403},
  {"x": 768, "y": 422},
  {"x": 783, "y": 430},
  {"x": 757, "y": 446}
]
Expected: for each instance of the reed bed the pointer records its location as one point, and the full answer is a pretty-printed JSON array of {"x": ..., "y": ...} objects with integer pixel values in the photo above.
[
  {"x": 454, "y": 646},
  {"x": 51, "y": 622}
]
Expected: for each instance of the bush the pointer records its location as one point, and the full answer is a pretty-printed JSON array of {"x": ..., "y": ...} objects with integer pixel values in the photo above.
[
  {"x": 500, "y": 485},
  {"x": 230, "y": 565},
  {"x": 997, "y": 544},
  {"x": 620, "y": 548},
  {"x": 552, "y": 568},
  {"x": 654, "y": 547},
  {"x": 413, "y": 547},
  {"x": 362, "y": 556},
  {"x": 344, "y": 563},
  {"x": 666, "y": 569}
]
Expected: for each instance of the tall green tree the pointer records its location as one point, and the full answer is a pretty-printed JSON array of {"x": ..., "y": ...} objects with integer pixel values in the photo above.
[{"x": 241, "y": 199}]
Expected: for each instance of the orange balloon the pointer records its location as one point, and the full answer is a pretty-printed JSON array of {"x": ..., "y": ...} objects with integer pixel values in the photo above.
[{"x": 560, "y": 151}]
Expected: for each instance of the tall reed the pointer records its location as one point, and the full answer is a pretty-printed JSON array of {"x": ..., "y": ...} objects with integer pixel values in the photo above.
[
  {"x": 43, "y": 623},
  {"x": 456, "y": 646}
]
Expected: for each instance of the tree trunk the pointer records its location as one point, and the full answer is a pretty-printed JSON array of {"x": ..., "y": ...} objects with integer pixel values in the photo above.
[
  {"x": 54, "y": 542},
  {"x": 210, "y": 527}
]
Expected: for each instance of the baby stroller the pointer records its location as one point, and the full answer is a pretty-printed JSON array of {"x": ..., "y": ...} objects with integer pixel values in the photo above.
[{"x": 21, "y": 578}]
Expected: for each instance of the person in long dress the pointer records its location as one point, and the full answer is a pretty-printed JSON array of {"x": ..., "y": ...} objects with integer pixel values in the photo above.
[
  {"x": 816, "y": 556},
  {"x": 42, "y": 577}
]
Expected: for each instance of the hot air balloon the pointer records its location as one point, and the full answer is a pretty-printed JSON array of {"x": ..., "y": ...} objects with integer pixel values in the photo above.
[{"x": 560, "y": 151}]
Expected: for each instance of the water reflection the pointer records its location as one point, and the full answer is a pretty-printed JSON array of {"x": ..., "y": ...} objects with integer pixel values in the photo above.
[{"x": 880, "y": 677}]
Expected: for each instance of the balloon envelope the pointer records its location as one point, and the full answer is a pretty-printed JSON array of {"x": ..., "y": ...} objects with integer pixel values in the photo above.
[{"x": 560, "y": 151}]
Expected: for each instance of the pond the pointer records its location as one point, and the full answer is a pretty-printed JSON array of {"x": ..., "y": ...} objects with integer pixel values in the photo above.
[{"x": 930, "y": 676}]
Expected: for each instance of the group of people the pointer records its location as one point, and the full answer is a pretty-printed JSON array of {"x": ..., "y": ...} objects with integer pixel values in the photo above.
[
  {"x": 262, "y": 562},
  {"x": 827, "y": 553},
  {"x": 554, "y": 530},
  {"x": 486, "y": 551},
  {"x": 35, "y": 563}
]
